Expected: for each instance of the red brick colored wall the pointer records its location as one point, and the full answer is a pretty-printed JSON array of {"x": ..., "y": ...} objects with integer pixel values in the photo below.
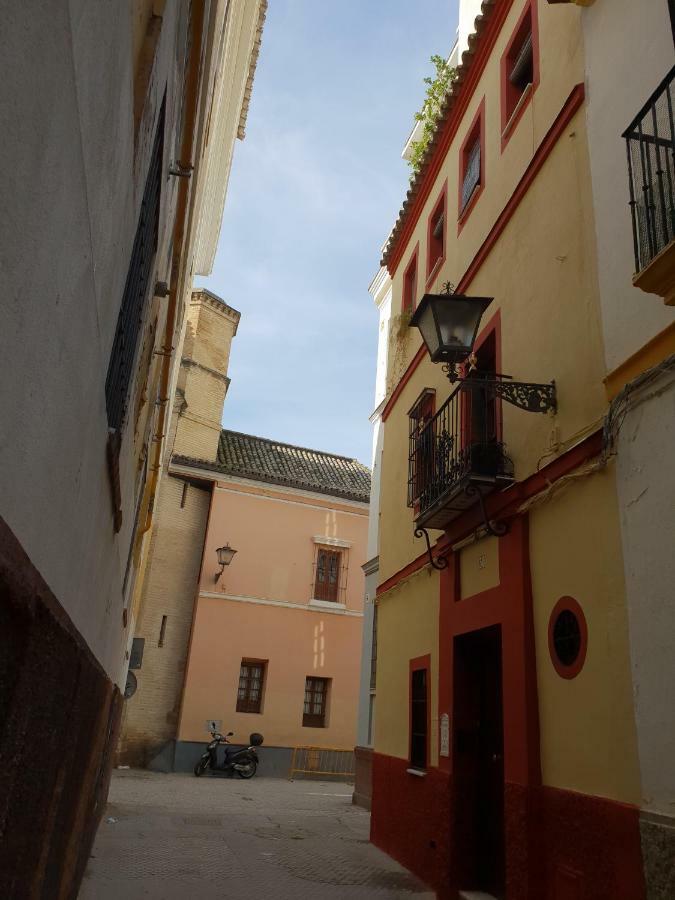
[
  {"x": 59, "y": 713},
  {"x": 559, "y": 845}
]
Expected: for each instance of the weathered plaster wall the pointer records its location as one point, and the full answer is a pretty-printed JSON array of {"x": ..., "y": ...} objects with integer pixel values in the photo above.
[{"x": 614, "y": 33}]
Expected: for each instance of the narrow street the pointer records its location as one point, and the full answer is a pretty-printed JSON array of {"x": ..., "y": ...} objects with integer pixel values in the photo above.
[{"x": 169, "y": 837}]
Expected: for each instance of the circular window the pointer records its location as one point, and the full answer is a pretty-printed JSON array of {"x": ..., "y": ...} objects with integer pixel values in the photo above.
[{"x": 567, "y": 637}]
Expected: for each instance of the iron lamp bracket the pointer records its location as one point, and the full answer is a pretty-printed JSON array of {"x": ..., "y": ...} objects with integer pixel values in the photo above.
[{"x": 527, "y": 395}]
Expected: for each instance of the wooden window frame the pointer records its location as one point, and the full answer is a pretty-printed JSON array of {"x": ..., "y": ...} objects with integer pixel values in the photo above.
[
  {"x": 316, "y": 720},
  {"x": 420, "y": 663},
  {"x": 436, "y": 253},
  {"x": 409, "y": 297},
  {"x": 511, "y": 112},
  {"x": 475, "y": 134},
  {"x": 246, "y": 704},
  {"x": 322, "y": 593}
]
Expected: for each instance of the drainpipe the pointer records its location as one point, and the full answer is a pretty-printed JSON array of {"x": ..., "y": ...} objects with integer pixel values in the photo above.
[{"x": 187, "y": 147}]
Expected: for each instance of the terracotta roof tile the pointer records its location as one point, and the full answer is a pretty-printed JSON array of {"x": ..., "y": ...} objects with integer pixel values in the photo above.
[
  {"x": 447, "y": 106},
  {"x": 262, "y": 459}
]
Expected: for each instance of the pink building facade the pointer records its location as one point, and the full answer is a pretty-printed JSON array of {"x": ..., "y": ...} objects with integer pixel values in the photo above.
[{"x": 276, "y": 636}]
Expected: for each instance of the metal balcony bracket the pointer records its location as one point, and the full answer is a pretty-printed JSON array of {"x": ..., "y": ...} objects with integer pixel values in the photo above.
[
  {"x": 497, "y": 529},
  {"x": 438, "y": 563},
  {"x": 527, "y": 395}
]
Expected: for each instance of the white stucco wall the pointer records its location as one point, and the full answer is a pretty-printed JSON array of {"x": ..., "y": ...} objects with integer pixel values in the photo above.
[
  {"x": 628, "y": 51},
  {"x": 380, "y": 289},
  {"x": 69, "y": 203},
  {"x": 646, "y": 484},
  {"x": 468, "y": 10}
]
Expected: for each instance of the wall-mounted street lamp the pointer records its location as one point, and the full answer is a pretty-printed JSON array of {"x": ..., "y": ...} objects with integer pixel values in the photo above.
[
  {"x": 225, "y": 556},
  {"x": 448, "y": 324}
]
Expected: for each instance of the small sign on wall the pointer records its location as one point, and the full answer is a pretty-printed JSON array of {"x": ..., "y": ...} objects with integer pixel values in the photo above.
[
  {"x": 445, "y": 735},
  {"x": 214, "y": 724}
]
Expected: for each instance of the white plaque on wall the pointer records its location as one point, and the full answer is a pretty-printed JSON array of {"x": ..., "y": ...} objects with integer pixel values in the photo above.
[
  {"x": 445, "y": 735},
  {"x": 214, "y": 725}
]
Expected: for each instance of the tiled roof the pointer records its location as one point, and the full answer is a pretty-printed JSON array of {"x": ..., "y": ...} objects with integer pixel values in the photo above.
[
  {"x": 455, "y": 89},
  {"x": 262, "y": 459}
]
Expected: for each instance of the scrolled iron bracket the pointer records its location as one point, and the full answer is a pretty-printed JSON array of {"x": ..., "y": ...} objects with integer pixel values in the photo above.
[
  {"x": 439, "y": 563},
  {"x": 497, "y": 529},
  {"x": 527, "y": 395}
]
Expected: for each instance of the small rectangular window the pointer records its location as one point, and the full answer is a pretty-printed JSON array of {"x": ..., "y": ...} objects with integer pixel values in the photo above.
[
  {"x": 249, "y": 693},
  {"x": 436, "y": 235},
  {"x": 328, "y": 574},
  {"x": 418, "y": 719},
  {"x": 410, "y": 286},
  {"x": 136, "y": 657},
  {"x": 162, "y": 632},
  {"x": 519, "y": 70},
  {"x": 471, "y": 173},
  {"x": 316, "y": 698},
  {"x": 421, "y": 444}
]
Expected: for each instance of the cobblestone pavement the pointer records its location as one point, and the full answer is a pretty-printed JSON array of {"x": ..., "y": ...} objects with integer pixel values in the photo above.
[{"x": 169, "y": 837}]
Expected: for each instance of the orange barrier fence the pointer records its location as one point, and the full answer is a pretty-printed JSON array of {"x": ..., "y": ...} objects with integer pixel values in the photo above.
[{"x": 322, "y": 761}]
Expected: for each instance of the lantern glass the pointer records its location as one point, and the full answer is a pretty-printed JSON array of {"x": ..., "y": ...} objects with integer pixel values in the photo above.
[
  {"x": 225, "y": 555},
  {"x": 448, "y": 324}
]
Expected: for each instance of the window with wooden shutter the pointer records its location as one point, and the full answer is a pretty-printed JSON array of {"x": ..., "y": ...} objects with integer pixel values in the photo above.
[
  {"x": 249, "y": 694},
  {"x": 316, "y": 697},
  {"x": 136, "y": 289},
  {"x": 328, "y": 574},
  {"x": 418, "y": 719},
  {"x": 472, "y": 164},
  {"x": 436, "y": 235},
  {"x": 471, "y": 173},
  {"x": 519, "y": 70},
  {"x": 410, "y": 286}
]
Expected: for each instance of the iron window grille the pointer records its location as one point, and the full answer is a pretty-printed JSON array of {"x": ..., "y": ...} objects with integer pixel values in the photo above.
[
  {"x": 650, "y": 148},
  {"x": 249, "y": 694},
  {"x": 316, "y": 696},
  {"x": 330, "y": 575},
  {"x": 471, "y": 174},
  {"x": 134, "y": 299},
  {"x": 418, "y": 719}
]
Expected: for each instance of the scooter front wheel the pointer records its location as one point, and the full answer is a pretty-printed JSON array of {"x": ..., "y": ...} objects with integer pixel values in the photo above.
[
  {"x": 201, "y": 767},
  {"x": 247, "y": 769}
]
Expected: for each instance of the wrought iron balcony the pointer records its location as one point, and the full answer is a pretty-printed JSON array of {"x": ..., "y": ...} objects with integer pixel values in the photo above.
[
  {"x": 650, "y": 144},
  {"x": 456, "y": 456}
]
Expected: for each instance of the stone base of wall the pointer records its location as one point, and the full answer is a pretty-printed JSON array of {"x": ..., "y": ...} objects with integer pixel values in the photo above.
[
  {"x": 363, "y": 782},
  {"x": 658, "y": 852},
  {"x": 60, "y": 715}
]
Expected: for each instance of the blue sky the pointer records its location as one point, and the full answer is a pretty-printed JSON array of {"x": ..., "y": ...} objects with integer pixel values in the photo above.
[{"x": 315, "y": 187}]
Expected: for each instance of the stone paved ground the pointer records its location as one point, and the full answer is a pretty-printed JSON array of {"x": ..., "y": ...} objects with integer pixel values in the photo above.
[{"x": 169, "y": 837}]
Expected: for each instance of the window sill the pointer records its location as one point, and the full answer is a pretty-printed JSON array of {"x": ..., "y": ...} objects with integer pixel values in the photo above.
[
  {"x": 419, "y": 773},
  {"x": 434, "y": 272},
  {"x": 518, "y": 110},
  {"x": 328, "y": 604},
  {"x": 466, "y": 212}
]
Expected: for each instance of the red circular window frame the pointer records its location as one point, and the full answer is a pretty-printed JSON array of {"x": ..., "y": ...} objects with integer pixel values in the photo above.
[{"x": 571, "y": 671}]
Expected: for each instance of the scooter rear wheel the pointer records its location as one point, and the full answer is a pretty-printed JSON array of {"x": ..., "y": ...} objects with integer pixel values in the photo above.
[
  {"x": 201, "y": 767},
  {"x": 248, "y": 769}
]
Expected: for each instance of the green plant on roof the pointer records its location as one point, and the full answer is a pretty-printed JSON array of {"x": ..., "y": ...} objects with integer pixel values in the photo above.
[{"x": 437, "y": 88}]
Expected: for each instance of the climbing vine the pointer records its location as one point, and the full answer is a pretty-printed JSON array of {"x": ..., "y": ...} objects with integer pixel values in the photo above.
[{"x": 436, "y": 90}]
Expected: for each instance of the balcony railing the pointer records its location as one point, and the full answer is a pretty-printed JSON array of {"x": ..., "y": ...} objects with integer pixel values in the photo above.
[
  {"x": 454, "y": 455},
  {"x": 650, "y": 143}
]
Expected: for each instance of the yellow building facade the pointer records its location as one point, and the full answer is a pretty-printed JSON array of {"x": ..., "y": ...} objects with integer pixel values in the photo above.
[{"x": 505, "y": 751}]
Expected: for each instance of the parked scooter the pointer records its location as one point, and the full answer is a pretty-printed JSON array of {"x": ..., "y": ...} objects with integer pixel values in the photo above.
[{"x": 244, "y": 761}]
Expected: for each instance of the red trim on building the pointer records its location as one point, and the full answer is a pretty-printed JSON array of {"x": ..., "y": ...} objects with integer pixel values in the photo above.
[
  {"x": 449, "y": 128},
  {"x": 502, "y": 505},
  {"x": 434, "y": 262},
  {"x": 476, "y": 132},
  {"x": 509, "y": 122},
  {"x": 572, "y": 670},
  {"x": 564, "y": 117},
  {"x": 409, "y": 301}
]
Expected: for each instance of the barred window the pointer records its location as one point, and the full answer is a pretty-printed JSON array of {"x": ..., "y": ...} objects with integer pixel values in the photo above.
[
  {"x": 328, "y": 574},
  {"x": 249, "y": 694},
  {"x": 134, "y": 299},
  {"x": 316, "y": 695}
]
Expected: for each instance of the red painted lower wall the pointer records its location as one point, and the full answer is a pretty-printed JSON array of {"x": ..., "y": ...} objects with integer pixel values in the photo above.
[
  {"x": 411, "y": 819},
  {"x": 563, "y": 845}
]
